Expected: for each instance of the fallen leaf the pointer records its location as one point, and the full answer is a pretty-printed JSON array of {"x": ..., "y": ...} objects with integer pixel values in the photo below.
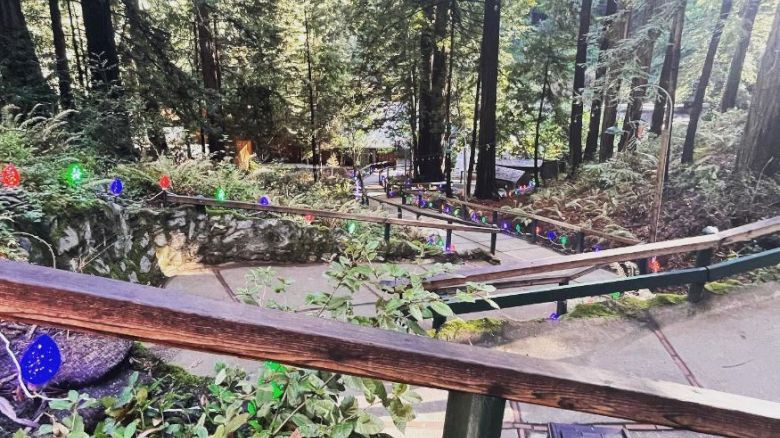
[{"x": 8, "y": 410}]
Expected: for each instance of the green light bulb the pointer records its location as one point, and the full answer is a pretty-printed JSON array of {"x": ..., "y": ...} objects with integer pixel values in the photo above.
[
  {"x": 615, "y": 295},
  {"x": 74, "y": 175},
  {"x": 220, "y": 194},
  {"x": 564, "y": 240}
]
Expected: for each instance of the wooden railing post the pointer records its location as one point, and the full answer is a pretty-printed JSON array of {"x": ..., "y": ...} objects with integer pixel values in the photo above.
[
  {"x": 473, "y": 416},
  {"x": 703, "y": 258}
]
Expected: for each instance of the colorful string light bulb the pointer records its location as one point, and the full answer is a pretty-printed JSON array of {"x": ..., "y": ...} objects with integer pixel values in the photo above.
[
  {"x": 116, "y": 187},
  {"x": 654, "y": 265},
  {"x": 10, "y": 176},
  {"x": 518, "y": 228},
  {"x": 596, "y": 248},
  {"x": 165, "y": 182},
  {"x": 554, "y": 316},
  {"x": 551, "y": 235},
  {"x": 564, "y": 240},
  {"x": 41, "y": 361},
  {"x": 308, "y": 217},
  {"x": 220, "y": 194},
  {"x": 74, "y": 174},
  {"x": 264, "y": 200}
]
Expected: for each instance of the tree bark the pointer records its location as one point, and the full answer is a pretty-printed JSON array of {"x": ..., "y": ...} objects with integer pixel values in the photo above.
[
  {"x": 412, "y": 96},
  {"x": 448, "y": 106},
  {"x": 75, "y": 38},
  {"x": 22, "y": 80},
  {"x": 592, "y": 141},
  {"x": 669, "y": 71},
  {"x": 101, "y": 49},
  {"x": 315, "y": 162},
  {"x": 539, "y": 120},
  {"x": 474, "y": 124},
  {"x": 433, "y": 76},
  {"x": 633, "y": 116},
  {"x": 486, "y": 165},
  {"x": 729, "y": 99},
  {"x": 704, "y": 79},
  {"x": 63, "y": 73},
  {"x": 575, "y": 122},
  {"x": 210, "y": 76},
  {"x": 760, "y": 148},
  {"x": 609, "y": 119}
]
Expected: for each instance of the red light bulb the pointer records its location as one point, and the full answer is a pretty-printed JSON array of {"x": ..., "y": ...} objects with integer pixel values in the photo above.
[
  {"x": 10, "y": 176},
  {"x": 165, "y": 182}
]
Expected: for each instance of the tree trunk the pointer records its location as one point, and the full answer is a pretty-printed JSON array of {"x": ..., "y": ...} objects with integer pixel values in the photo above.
[
  {"x": 575, "y": 122},
  {"x": 210, "y": 76},
  {"x": 22, "y": 81},
  {"x": 433, "y": 76},
  {"x": 448, "y": 104},
  {"x": 633, "y": 116},
  {"x": 760, "y": 148},
  {"x": 735, "y": 72},
  {"x": 75, "y": 38},
  {"x": 591, "y": 144},
  {"x": 539, "y": 121},
  {"x": 63, "y": 73},
  {"x": 607, "y": 145},
  {"x": 701, "y": 88},
  {"x": 486, "y": 165},
  {"x": 315, "y": 162},
  {"x": 101, "y": 49},
  {"x": 669, "y": 71},
  {"x": 413, "y": 148},
  {"x": 473, "y": 148}
]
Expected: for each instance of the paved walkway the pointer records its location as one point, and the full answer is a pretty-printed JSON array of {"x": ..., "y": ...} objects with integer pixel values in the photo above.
[{"x": 733, "y": 344}]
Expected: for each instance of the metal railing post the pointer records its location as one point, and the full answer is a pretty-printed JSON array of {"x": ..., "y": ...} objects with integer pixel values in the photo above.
[
  {"x": 703, "y": 258},
  {"x": 494, "y": 236},
  {"x": 473, "y": 416},
  {"x": 562, "y": 306},
  {"x": 580, "y": 242}
]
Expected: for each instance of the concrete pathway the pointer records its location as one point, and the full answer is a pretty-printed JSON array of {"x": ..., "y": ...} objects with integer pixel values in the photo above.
[{"x": 730, "y": 344}]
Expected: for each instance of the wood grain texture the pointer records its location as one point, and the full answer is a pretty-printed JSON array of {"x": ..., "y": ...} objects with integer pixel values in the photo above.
[
  {"x": 47, "y": 296},
  {"x": 546, "y": 220},
  {"x": 688, "y": 244},
  {"x": 189, "y": 200}
]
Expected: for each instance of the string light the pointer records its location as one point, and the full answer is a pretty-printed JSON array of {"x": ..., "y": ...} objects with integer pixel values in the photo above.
[
  {"x": 449, "y": 249},
  {"x": 518, "y": 228},
  {"x": 474, "y": 216},
  {"x": 456, "y": 212},
  {"x": 308, "y": 217},
  {"x": 596, "y": 248},
  {"x": 504, "y": 225},
  {"x": 551, "y": 235},
  {"x": 40, "y": 361},
  {"x": 654, "y": 265},
  {"x": 10, "y": 176},
  {"x": 116, "y": 187},
  {"x": 264, "y": 200},
  {"x": 484, "y": 219},
  {"x": 615, "y": 295},
  {"x": 74, "y": 174},
  {"x": 165, "y": 182},
  {"x": 220, "y": 194},
  {"x": 554, "y": 316},
  {"x": 564, "y": 240},
  {"x": 538, "y": 230}
]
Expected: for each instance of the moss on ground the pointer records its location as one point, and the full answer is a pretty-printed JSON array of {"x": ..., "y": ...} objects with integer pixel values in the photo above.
[
  {"x": 477, "y": 327},
  {"x": 625, "y": 306}
]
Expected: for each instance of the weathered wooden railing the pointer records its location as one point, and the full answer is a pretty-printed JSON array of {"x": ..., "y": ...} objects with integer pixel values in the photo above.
[
  {"x": 475, "y": 377},
  {"x": 386, "y": 221},
  {"x": 696, "y": 277}
]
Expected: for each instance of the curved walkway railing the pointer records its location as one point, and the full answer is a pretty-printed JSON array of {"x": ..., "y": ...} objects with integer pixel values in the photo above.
[{"x": 479, "y": 380}]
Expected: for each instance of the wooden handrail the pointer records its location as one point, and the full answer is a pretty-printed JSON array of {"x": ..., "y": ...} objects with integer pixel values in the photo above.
[
  {"x": 75, "y": 301},
  {"x": 557, "y": 223},
  {"x": 636, "y": 252},
  {"x": 190, "y": 200}
]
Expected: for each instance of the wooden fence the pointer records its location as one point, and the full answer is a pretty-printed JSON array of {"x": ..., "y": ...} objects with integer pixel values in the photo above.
[{"x": 474, "y": 376}]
